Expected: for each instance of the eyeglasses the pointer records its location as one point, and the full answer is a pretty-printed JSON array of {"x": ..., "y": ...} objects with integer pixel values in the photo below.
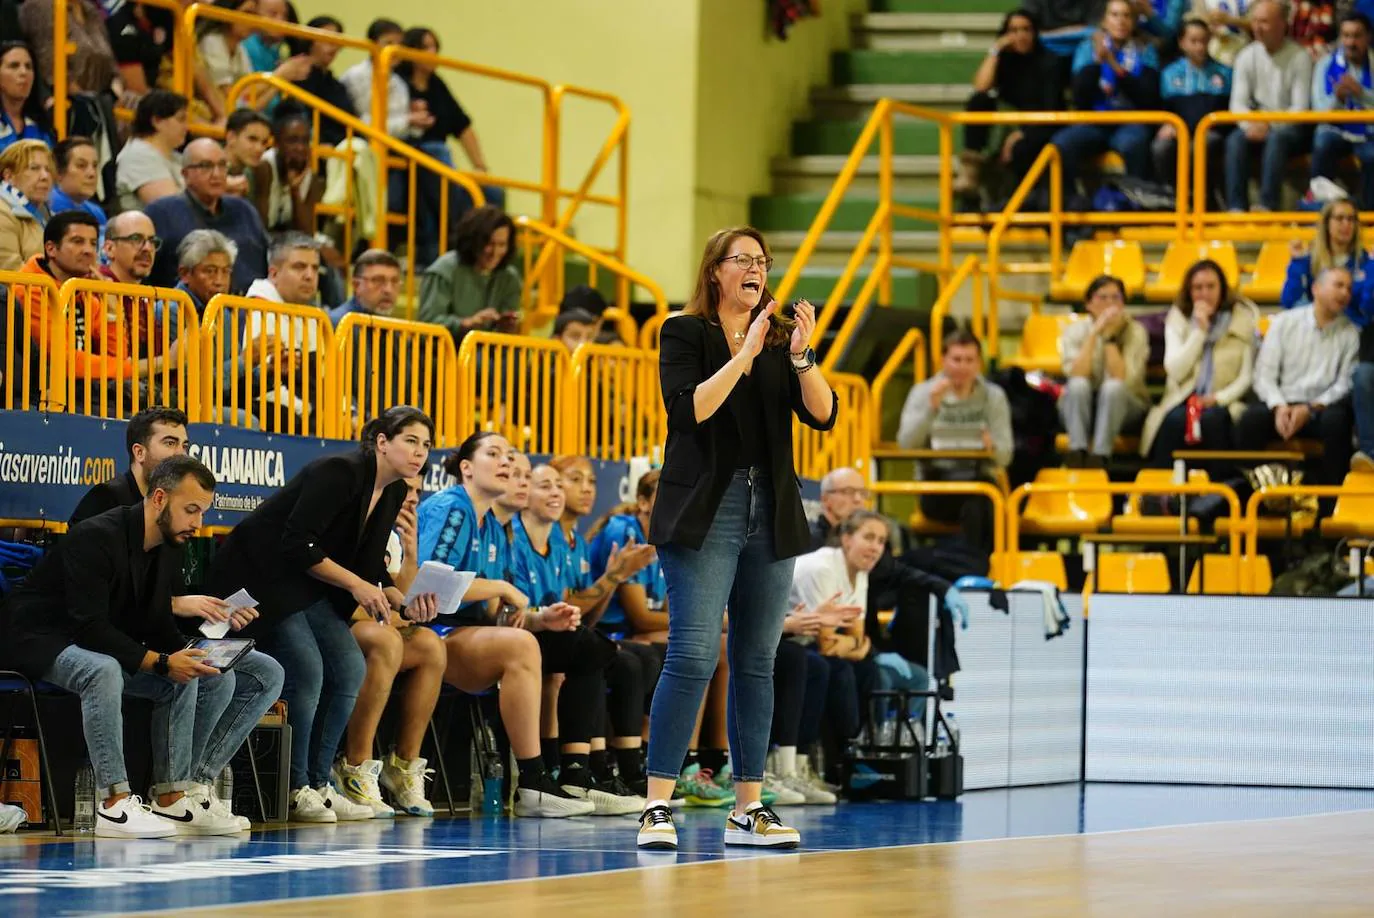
[
  {"x": 746, "y": 261},
  {"x": 208, "y": 167},
  {"x": 138, "y": 240},
  {"x": 859, "y": 493}
]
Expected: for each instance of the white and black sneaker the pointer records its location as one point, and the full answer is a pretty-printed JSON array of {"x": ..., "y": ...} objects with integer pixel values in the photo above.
[
  {"x": 546, "y": 800},
  {"x": 607, "y": 799},
  {"x": 130, "y": 818},
  {"x": 656, "y": 829},
  {"x": 192, "y": 814},
  {"x": 759, "y": 827},
  {"x": 308, "y": 806}
]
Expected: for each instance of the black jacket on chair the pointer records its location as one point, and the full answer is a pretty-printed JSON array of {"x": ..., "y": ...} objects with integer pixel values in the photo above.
[
  {"x": 91, "y": 591},
  {"x": 699, "y": 459},
  {"x": 320, "y": 513},
  {"x": 120, "y": 491}
]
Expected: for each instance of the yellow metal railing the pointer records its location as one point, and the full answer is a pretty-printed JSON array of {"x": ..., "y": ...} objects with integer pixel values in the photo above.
[
  {"x": 514, "y": 385},
  {"x": 968, "y": 270},
  {"x": 32, "y": 362},
  {"x": 973, "y": 489},
  {"x": 381, "y": 362},
  {"x": 1252, "y": 515},
  {"x": 619, "y": 410},
  {"x": 268, "y": 364},
  {"x": 912, "y": 347},
  {"x": 850, "y": 443}
]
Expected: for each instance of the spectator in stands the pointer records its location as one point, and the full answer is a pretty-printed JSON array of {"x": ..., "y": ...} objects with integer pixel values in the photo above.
[
  {"x": 247, "y": 135},
  {"x": 78, "y": 178},
  {"x": 322, "y": 83},
  {"x": 25, "y": 188},
  {"x": 1344, "y": 81},
  {"x": 1229, "y": 25},
  {"x": 575, "y": 328},
  {"x": 206, "y": 206},
  {"x": 1209, "y": 358},
  {"x": 1192, "y": 87},
  {"x": 1065, "y": 23},
  {"x": 264, "y": 49},
  {"x": 1272, "y": 74},
  {"x": 286, "y": 187},
  {"x": 23, "y": 116},
  {"x": 1104, "y": 358},
  {"x": 152, "y": 435},
  {"x": 142, "y": 37},
  {"x": 205, "y": 262},
  {"x": 401, "y": 121},
  {"x": 149, "y": 167},
  {"x": 92, "y": 67},
  {"x": 151, "y": 325},
  {"x": 1162, "y": 19},
  {"x": 585, "y": 298},
  {"x": 475, "y": 286},
  {"x": 1303, "y": 377},
  {"x": 959, "y": 409},
  {"x": 458, "y": 527},
  {"x": 311, "y": 554},
  {"x": 225, "y": 55},
  {"x": 1018, "y": 73},
  {"x": 293, "y": 271},
  {"x": 1113, "y": 71},
  {"x": 95, "y": 617},
  {"x": 1315, "y": 24},
  {"x": 376, "y": 286},
  {"x": 1337, "y": 244}
]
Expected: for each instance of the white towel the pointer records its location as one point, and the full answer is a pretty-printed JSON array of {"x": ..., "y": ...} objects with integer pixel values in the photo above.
[
  {"x": 1056, "y": 618},
  {"x": 11, "y": 818}
]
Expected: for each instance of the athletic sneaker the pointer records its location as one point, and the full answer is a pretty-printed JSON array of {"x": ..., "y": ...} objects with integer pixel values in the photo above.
[
  {"x": 725, "y": 780},
  {"x": 546, "y": 800},
  {"x": 580, "y": 782},
  {"x": 760, "y": 828},
  {"x": 782, "y": 793},
  {"x": 656, "y": 829},
  {"x": 359, "y": 784},
  {"x": 222, "y": 806},
  {"x": 810, "y": 793},
  {"x": 808, "y": 774},
  {"x": 347, "y": 810},
  {"x": 308, "y": 806},
  {"x": 698, "y": 788},
  {"x": 130, "y": 818},
  {"x": 192, "y": 814},
  {"x": 405, "y": 783}
]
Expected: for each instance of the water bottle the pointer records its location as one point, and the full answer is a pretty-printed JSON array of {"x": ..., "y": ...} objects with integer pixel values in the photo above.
[
  {"x": 475, "y": 787},
  {"x": 941, "y": 741},
  {"x": 224, "y": 785},
  {"x": 83, "y": 817},
  {"x": 953, "y": 726},
  {"x": 493, "y": 775}
]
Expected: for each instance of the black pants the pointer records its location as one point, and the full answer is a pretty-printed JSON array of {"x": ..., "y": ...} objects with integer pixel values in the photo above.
[
  {"x": 1034, "y": 137},
  {"x": 1333, "y": 427},
  {"x": 894, "y": 584},
  {"x": 847, "y": 690},
  {"x": 583, "y": 657},
  {"x": 630, "y": 683},
  {"x": 1216, "y": 434},
  {"x": 800, "y": 680},
  {"x": 971, "y": 512}
]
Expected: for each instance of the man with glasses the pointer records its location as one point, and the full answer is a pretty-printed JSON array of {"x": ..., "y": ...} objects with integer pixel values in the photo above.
[
  {"x": 130, "y": 247},
  {"x": 205, "y": 205},
  {"x": 376, "y": 286}
]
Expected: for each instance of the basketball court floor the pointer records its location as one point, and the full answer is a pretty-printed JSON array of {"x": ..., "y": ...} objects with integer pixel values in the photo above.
[{"x": 1065, "y": 850}]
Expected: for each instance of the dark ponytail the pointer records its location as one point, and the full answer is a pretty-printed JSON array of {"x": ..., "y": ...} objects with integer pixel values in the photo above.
[
  {"x": 391, "y": 422},
  {"x": 466, "y": 450}
]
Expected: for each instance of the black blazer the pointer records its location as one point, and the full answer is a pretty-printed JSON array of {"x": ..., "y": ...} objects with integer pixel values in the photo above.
[
  {"x": 121, "y": 491},
  {"x": 700, "y": 459},
  {"x": 89, "y": 591},
  {"x": 321, "y": 513}
]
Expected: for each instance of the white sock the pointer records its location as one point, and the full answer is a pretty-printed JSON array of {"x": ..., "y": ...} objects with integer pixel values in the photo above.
[
  {"x": 653, "y": 803},
  {"x": 753, "y": 806},
  {"x": 787, "y": 761},
  {"x": 803, "y": 762}
]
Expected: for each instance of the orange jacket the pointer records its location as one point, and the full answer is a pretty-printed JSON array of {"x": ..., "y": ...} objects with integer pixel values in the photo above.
[{"x": 93, "y": 352}]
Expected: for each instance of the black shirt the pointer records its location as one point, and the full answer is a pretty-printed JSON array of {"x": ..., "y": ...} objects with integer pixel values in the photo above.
[
  {"x": 141, "y": 35},
  {"x": 449, "y": 118},
  {"x": 748, "y": 408},
  {"x": 325, "y": 85}
]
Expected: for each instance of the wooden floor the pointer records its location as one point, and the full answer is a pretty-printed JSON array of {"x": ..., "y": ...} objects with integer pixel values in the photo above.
[{"x": 1304, "y": 866}]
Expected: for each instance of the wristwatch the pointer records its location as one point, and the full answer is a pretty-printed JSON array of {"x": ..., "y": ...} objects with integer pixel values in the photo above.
[
  {"x": 803, "y": 361},
  {"x": 160, "y": 665}
]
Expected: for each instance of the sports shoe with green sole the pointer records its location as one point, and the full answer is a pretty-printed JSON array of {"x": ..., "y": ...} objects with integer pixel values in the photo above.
[
  {"x": 699, "y": 789},
  {"x": 726, "y": 782}
]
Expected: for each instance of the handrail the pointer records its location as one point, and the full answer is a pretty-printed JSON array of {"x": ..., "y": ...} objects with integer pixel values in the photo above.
[
  {"x": 849, "y": 443},
  {"x": 1000, "y": 514},
  {"x": 648, "y": 332},
  {"x": 499, "y": 395},
  {"x": 1252, "y": 516},
  {"x": 50, "y": 357},
  {"x": 1048, "y": 159},
  {"x": 913, "y": 343},
  {"x": 1125, "y": 487},
  {"x": 404, "y": 363},
  {"x": 619, "y": 411},
  {"x": 968, "y": 268}
]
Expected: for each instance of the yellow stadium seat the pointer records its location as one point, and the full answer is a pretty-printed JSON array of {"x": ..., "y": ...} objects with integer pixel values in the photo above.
[
  {"x": 1353, "y": 515},
  {"x": 1110, "y": 162},
  {"x": 1065, "y": 513},
  {"x": 1132, "y": 572},
  {"x": 1130, "y": 519},
  {"x": 1033, "y": 565},
  {"x": 1271, "y": 269},
  {"x": 1180, "y": 256},
  {"x": 1090, "y": 258},
  {"x": 1274, "y": 527},
  {"x": 1121, "y": 446},
  {"x": 1039, "y": 346},
  {"x": 1218, "y": 575},
  {"x": 921, "y": 524}
]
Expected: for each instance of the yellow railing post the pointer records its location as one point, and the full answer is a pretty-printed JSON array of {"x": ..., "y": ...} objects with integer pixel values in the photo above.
[{"x": 913, "y": 344}]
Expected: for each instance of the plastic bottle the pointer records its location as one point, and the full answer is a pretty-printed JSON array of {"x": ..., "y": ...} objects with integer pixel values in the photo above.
[
  {"x": 83, "y": 818},
  {"x": 953, "y": 724},
  {"x": 224, "y": 785},
  {"x": 941, "y": 740},
  {"x": 493, "y": 776}
]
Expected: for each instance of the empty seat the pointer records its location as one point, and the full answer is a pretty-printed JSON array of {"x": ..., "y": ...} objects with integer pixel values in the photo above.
[
  {"x": 1066, "y": 513},
  {"x": 1180, "y": 256},
  {"x": 1354, "y": 513},
  {"x": 1218, "y": 575},
  {"x": 1039, "y": 345},
  {"x": 1031, "y": 565},
  {"x": 1130, "y": 520},
  {"x": 1090, "y": 257},
  {"x": 1132, "y": 572},
  {"x": 1271, "y": 270},
  {"x": 921, "y": 524}
]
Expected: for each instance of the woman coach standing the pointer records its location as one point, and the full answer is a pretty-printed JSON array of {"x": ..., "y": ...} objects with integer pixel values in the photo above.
[{"x": 728, "y": 519}]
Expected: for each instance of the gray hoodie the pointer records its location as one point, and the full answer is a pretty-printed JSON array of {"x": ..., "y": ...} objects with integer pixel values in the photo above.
[{"x": 958, "y": 420}]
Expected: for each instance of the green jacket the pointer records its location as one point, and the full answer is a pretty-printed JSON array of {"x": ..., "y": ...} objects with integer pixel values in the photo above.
[{"x": 451, "y": 291}]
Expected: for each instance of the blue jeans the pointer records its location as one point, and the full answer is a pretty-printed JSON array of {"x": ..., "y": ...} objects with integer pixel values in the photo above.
[
  {"x": 1078, "y": 142},
  {"x": 1362, "y": 398},
  {"x": 1283, "y": 142},
  {"x": 736, "y": 565},
  {"x": 102, "y": 685},
  {"x": 427, "y": 235},
  {"x": 324, "y": 670},
  {"x": 1329, "y": 147},
  {"x": 228, "y": 707}
]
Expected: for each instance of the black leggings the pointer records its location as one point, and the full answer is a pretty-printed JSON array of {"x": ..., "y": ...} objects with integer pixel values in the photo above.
[
  {"x": 798, "y": 676},
  {"x": 583, "y": 657},
  {"x": 850, "y": 684},
  {"x": 631, "y": 680}
]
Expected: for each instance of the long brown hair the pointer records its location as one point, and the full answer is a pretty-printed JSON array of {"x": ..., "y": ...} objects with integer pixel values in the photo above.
[
  {"x": 705, "y": 299},
  {"x": 1184, "y": 301}
]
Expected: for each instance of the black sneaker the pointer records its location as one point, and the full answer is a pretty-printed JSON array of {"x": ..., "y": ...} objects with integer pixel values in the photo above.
[
  {"x": 607, "y": 800},
  {"x": 656, "y": 829}
]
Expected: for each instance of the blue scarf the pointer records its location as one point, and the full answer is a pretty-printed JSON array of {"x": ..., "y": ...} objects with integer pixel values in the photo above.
[
  {"x": 1338, "y": 69},
  {"x": 1220, "y": 322},
  {"x": 1129, "y": 59}
]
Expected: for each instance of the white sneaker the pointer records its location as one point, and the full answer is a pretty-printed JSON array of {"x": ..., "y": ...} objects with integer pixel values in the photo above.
[
  {"x": 347, "y": 810},
  {"x": 222, "y": 807},
  {"x": 359, "y": 784},
  {"x": 405, "y": 784},
  {"x": 606, "y": 800},
  {"x": 308, "y": 806},
  {"x": 549, "y": 801},
  {"x": 656, "y": 829},
  {"x": 130, "y": 818},
  {"x": 809, "y": 792},
  {"x": 783, "y": 794},
  {"x": 193, "y": 815},
  {"x": 760, "y": 828}
]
